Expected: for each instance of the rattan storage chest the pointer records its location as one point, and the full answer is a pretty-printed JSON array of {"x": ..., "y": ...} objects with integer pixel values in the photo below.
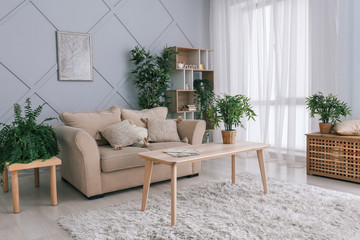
[{"x": 334, "y": 156}]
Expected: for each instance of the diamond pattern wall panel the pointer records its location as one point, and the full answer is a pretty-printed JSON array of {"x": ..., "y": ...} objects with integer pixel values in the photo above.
[
  {"x": 28, "y": 48},
  {"x": 154, "y": 19},
  {"x": 194, "y": 27},
  {"x": 113, "y": 41},
  {"x": 11, "y": 90},
  {"x": 75, "y": 96},
  {"x": 63, "y": 14},
  {"x": 172, "y": 37},
  {"x": 7, "y": 6},
  {"x": 119, "y": 100}
]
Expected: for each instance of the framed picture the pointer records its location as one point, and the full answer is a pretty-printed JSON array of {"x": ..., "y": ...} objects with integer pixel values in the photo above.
[{"x": 74, "y": 52}]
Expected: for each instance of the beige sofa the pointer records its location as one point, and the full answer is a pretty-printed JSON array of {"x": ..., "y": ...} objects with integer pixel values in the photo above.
[{"x": 95, "y": 169}]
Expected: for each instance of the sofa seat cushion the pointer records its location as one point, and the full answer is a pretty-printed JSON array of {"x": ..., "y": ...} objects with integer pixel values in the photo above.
[
  {"x": 165, "y": 145},
  {"x": 113, "y": 160}
]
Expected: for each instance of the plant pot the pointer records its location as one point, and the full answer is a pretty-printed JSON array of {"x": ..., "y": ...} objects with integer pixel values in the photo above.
[
  {"x": 229, "y": 137},
  {"x": 325, "y": 128}
]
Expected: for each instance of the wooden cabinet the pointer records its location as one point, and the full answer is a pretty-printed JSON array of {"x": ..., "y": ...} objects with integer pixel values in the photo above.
[
  {"x": 333, "y": 156},
  {"x": 189, "y": 64}
]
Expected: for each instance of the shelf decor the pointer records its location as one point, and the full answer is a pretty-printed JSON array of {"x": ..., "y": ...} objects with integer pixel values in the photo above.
[{"x": 189, "y": 64}]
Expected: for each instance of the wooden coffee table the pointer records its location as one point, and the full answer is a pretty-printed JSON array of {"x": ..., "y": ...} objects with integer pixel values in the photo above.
[{"x": 207, "y": 151}]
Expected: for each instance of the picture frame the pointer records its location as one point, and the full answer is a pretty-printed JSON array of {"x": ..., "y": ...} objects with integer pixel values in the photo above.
[{"x": 74, "y": 54}]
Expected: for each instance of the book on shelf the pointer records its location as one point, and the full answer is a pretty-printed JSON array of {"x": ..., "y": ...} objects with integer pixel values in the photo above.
[{"x": 181, "y": 152}]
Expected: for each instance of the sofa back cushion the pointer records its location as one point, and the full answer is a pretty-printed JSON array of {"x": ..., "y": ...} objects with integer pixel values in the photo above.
[
  {"x": 162, "y": 130},
  {"x": 92, "y": 121},
  {"x": 135, "y": 116}
]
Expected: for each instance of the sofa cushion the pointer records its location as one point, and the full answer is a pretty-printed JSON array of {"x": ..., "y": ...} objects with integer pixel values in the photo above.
[
  {"x": 166, "y": 145},
  {"x": 92, "y": 121},
  {"x": 135, "y": 116},
  {"x": 162, "y": 130},
  {"x": 120, "y": 135},
  {"x": 112, "y": 160},
  {"x": 348, "y": 127},
  {"x": 142, "y": 133}
]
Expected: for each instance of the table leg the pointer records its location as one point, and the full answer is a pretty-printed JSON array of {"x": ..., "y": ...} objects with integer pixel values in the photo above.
[
  {"x": 233, "y": 168},
  {"x": 261, "y": 160},
  {"x": 173, "y": 193},
  {"x": 15, "y": 191},
  {"x": 36, "y": 177},
  {"x": 5, "y": 180},
  {"x": 53, "y": 185},
  {"x": 146, "y": 186}
]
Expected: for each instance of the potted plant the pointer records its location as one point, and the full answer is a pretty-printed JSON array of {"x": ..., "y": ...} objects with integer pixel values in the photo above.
[
  {"x": 230, "y": 110},
  {"x": 330, "y": 109},
  {"x": 152, "y": 74},
  {"x": 204, "y": 97},
  {"x": 24, "y": 140}
]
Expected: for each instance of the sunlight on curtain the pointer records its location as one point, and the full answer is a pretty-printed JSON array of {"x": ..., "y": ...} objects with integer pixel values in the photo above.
[{"x": 261, "y": 50}]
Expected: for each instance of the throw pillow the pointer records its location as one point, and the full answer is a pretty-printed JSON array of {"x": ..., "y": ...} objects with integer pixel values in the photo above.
[
  {"x": 120, "y": 135},
  {"x": 349, "y": 127},
  {"x": 142, "y": 133},
  {"x": 92, "y": 121},
  {"x": 135, "y": 116},
  {"x": 162, "y": 130}
]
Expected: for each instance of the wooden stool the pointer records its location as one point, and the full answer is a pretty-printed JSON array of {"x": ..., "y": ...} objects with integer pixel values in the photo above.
[{"x": 14, "y": 168}]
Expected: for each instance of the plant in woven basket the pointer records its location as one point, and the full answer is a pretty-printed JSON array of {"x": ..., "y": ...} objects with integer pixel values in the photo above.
[
  {"x": 25, "y": 140},
  {"x": 329, "y": 108},
  {"x": 230, "y": 110},
  {"x": 152, "y": 74}
]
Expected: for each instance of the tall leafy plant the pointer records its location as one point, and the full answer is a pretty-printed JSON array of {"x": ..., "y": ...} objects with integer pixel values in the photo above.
[
  {"x": 330, "y": 108},
  {"x": 230, "y": 110},
  {"x": 204, "y": 95},
  {"x": 24, "y": 140},
  {"x": 152, "y": 74}
]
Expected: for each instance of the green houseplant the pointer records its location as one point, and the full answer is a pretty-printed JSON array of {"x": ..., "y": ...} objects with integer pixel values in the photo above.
[
  {"x": 230, "y": 110},
  {"x": 152, "y": 74},
  {"x": 330, "y": 109},
  {"x": 24, "y": 140},
  {"x": 204, "y": 97}
]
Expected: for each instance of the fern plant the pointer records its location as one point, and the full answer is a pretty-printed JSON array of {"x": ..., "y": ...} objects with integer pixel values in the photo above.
[
  {"x": 24, "y": 141},
  {"x": 152, "y": 74}
]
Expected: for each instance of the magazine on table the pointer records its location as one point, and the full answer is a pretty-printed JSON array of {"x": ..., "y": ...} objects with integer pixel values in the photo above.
[{"x": 181, "y": 152}]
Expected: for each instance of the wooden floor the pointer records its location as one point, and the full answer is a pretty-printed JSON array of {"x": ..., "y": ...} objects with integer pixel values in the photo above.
[{"x": 37, "y": 219}]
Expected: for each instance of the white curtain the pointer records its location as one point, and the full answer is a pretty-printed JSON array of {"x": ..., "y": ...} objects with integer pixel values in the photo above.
[
  {"x": 331, "y": 49},
  {"x": 261, "y": 50}
]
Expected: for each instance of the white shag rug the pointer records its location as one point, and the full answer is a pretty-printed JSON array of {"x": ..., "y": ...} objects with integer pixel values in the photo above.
[{"x": 221, "y": 210}]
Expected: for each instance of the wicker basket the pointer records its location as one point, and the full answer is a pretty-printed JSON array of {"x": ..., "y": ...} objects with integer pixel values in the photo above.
[{"x": 334, "y": 156}]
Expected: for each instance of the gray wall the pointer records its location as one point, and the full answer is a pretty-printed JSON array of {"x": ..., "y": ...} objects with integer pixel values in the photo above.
[{"x": 28, "y": 65}]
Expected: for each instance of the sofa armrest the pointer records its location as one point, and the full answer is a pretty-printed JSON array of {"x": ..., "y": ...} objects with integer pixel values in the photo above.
[
  {"x": 80, "y": 159},
  {"x": 192, "y": 129}
]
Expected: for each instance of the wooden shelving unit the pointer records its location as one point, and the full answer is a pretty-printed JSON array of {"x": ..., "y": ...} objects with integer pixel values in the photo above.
[{"x": 182, "y": 92}]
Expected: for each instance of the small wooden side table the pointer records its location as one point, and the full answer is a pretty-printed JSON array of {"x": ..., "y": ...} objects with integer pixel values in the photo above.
[{"x": 14, "y": 168}]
